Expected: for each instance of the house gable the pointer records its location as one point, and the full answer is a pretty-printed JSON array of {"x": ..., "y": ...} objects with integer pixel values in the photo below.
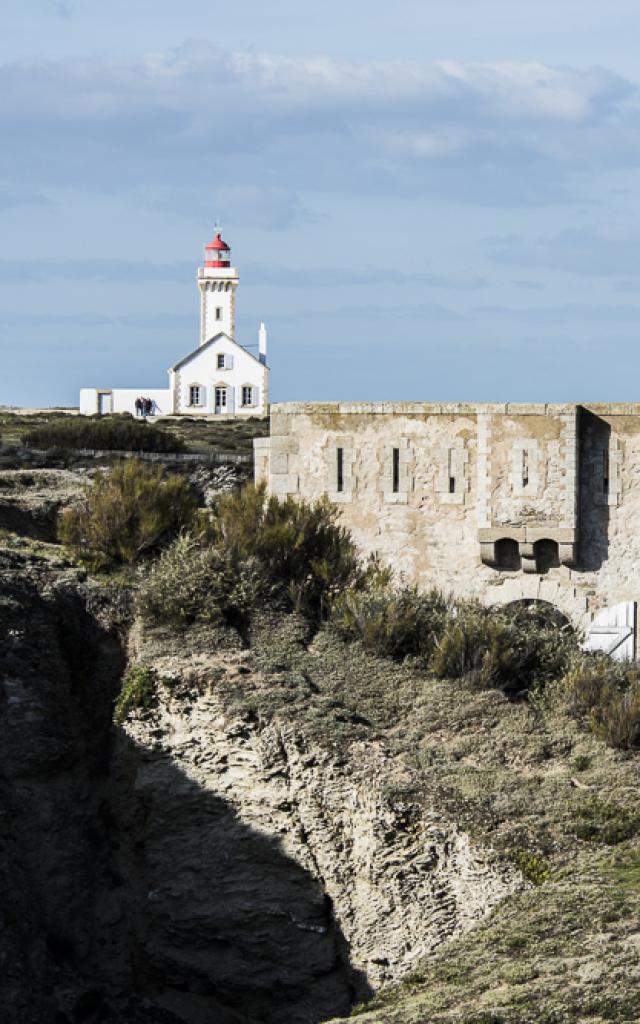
[{"x": 211, "y": 344}]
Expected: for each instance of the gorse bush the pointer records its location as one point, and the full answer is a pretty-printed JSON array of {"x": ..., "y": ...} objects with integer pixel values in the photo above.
[
  {"x": 128, "y": 511},
  {"x": 601, "y": 821},
  {"x": 139, "y": 690},
  {"x": 513, "y": 649},
  {"x": 253, "y": 551},
  {"x": 300, "y": 545},
  {"x": 114, "y": 433},
  {"x": 191, "y": 583},
  {"x": 393, "y": 623},
  {"x": 533, "y": 867},
  {"x": 606, "y": 694}
]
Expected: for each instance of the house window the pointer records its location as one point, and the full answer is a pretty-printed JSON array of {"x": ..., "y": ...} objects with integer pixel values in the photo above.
[
  {"x": 339, "y": 469},
  {"x": 218, "y": 312},
  {"x": 247, "y": 395},
  {"x": 220, "y": 361},
  {"x": 195, "y": 395},
  {"x": 221, "y": 399}
]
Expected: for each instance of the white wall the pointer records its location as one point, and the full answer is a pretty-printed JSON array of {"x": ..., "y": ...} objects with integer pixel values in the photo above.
[
  {"x": 124, "y": 400},
  {"x": 217, "y": 292},
  {"x": 240, "y": 370}
]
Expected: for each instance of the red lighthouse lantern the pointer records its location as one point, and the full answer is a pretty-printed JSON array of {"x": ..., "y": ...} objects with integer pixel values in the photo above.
[{"x": 217, "y": 253}]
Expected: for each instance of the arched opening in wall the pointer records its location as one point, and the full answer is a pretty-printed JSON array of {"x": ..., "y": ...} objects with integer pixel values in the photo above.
[
  {"x": 546, "y": 554},
  {"x": 507, "y": 555},
  {"x": 540, "y": 613}
]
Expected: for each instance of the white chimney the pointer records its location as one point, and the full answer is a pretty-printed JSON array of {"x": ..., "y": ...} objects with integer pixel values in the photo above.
[{"x": 262, "y": 343}]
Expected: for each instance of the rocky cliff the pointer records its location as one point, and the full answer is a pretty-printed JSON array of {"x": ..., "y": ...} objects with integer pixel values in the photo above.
[
  {"x": 293, "y": 830},
  {"x": 203, "y": 863}
]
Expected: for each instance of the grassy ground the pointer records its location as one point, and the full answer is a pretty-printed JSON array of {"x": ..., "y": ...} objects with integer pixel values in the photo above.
[
  {"x": 205, "y": 437},
  {"x": 524, "y": 778}
]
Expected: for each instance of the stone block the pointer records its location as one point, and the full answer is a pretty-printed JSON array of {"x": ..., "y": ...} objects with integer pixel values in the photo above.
[
  {"x": 284, "y": 444},
  {"x": 284, "y": 483},
  {"x": 490, "y": 536},
  {"x": 279, "y": 463}
]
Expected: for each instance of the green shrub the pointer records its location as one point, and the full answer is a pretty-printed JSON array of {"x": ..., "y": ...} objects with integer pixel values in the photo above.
[
  {"x": 110, "y": 433},
  {"x": 126, "y": 512},
  {"x": 253, "y": 551},
  {"x": 191, "y": 583},
  {"x": 391, "y": 623},
  {"x": 606, "y": 694},
  {"x": 300, "y": 545},
  {"x": 534, "y": 868},
  {"x": 600, "y": 821},
  {"x": 513, "y": 649},
  {"x": 139, "y": 690}
]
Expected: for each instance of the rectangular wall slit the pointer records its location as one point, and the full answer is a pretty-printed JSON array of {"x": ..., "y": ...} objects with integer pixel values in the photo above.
[
  {"x": 396, "y": 470},
  {"x": 340, "y": 469},
  {"x": 605, "y": 471},
  {"x": 452, "y": 479},
  {"x": 525, "y": 468}
]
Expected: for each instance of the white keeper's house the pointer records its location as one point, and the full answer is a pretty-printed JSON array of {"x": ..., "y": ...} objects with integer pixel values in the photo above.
[{"x": 218, "y": 378}]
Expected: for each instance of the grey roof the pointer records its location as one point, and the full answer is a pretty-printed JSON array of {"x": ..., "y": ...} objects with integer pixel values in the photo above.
[{"x": 210, "y": 342}]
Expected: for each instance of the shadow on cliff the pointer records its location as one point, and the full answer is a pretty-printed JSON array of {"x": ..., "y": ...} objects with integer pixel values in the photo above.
[
  {"x": 127, "y": 891},
  {"x": 224, "y": 927},
  {"x": 594, "y": 475}
]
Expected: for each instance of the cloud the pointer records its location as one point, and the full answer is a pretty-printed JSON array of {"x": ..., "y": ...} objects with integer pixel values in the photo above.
[
  {"x": 256, "y": 130},
  {"x": 12, "y": 195},
  {"x": 255, "y": 206},
  {"x": 565, "y": 313},
  {"x": 105, "y": 270},
  {"x": 349, "y": 277},
  {"x": 54, "y": 319},
  {"x": 119, "y": 271},
  {"x": 427, "y": 312},
  {"x": 589, "y": 251},
  {"x": 63, "y": 9}
]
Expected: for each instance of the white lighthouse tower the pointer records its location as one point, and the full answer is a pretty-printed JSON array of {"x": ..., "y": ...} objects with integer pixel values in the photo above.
[
  {"x": 217, "y": 282},
  {"x": 220, "y": 377}
]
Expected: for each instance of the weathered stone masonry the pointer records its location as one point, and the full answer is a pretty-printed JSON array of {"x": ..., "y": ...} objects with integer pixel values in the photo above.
[{"x": 502, "y": 502}]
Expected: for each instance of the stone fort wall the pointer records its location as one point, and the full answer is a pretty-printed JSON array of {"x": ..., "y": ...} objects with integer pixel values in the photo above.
[{"x": 496, "y": 501}]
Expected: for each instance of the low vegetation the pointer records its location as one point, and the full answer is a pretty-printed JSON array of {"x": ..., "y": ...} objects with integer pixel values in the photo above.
[
  {"x": 139, "y": 692},
  {"x": 393, "y": 623},
  {"x": 111, "y": 433},
  {"x": 493, "y": 719},
  {"x": 253, "y": 551},
  {"x": 606, "y": 695},
  {"x": 195, "y": 435},
  {"x": 130, "y": 511}
]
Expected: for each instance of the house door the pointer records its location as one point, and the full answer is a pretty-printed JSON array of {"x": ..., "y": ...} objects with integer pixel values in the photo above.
[
  {"x": 221, "y": 400},
  {"x": 104, "y": 403}
]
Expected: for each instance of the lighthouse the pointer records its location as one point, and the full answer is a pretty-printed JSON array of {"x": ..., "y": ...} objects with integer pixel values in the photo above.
[
  {"x": 217, "y": 281},
  {"x": 221, "y": 377}
]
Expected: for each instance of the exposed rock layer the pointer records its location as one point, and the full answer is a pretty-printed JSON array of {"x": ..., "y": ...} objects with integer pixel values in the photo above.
[{"x": 198, "y": 866}]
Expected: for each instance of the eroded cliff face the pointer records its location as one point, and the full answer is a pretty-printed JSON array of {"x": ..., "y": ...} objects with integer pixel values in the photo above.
[
  {"x": 400, "y": 879},
  {"x": 199, "y": 865}
]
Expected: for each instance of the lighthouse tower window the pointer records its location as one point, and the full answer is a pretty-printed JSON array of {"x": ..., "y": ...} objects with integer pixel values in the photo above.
[{"x": 218, "y": 312}]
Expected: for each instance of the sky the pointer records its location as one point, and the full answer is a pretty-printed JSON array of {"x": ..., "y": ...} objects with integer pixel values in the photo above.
[{"x": 425, "y": 201}]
